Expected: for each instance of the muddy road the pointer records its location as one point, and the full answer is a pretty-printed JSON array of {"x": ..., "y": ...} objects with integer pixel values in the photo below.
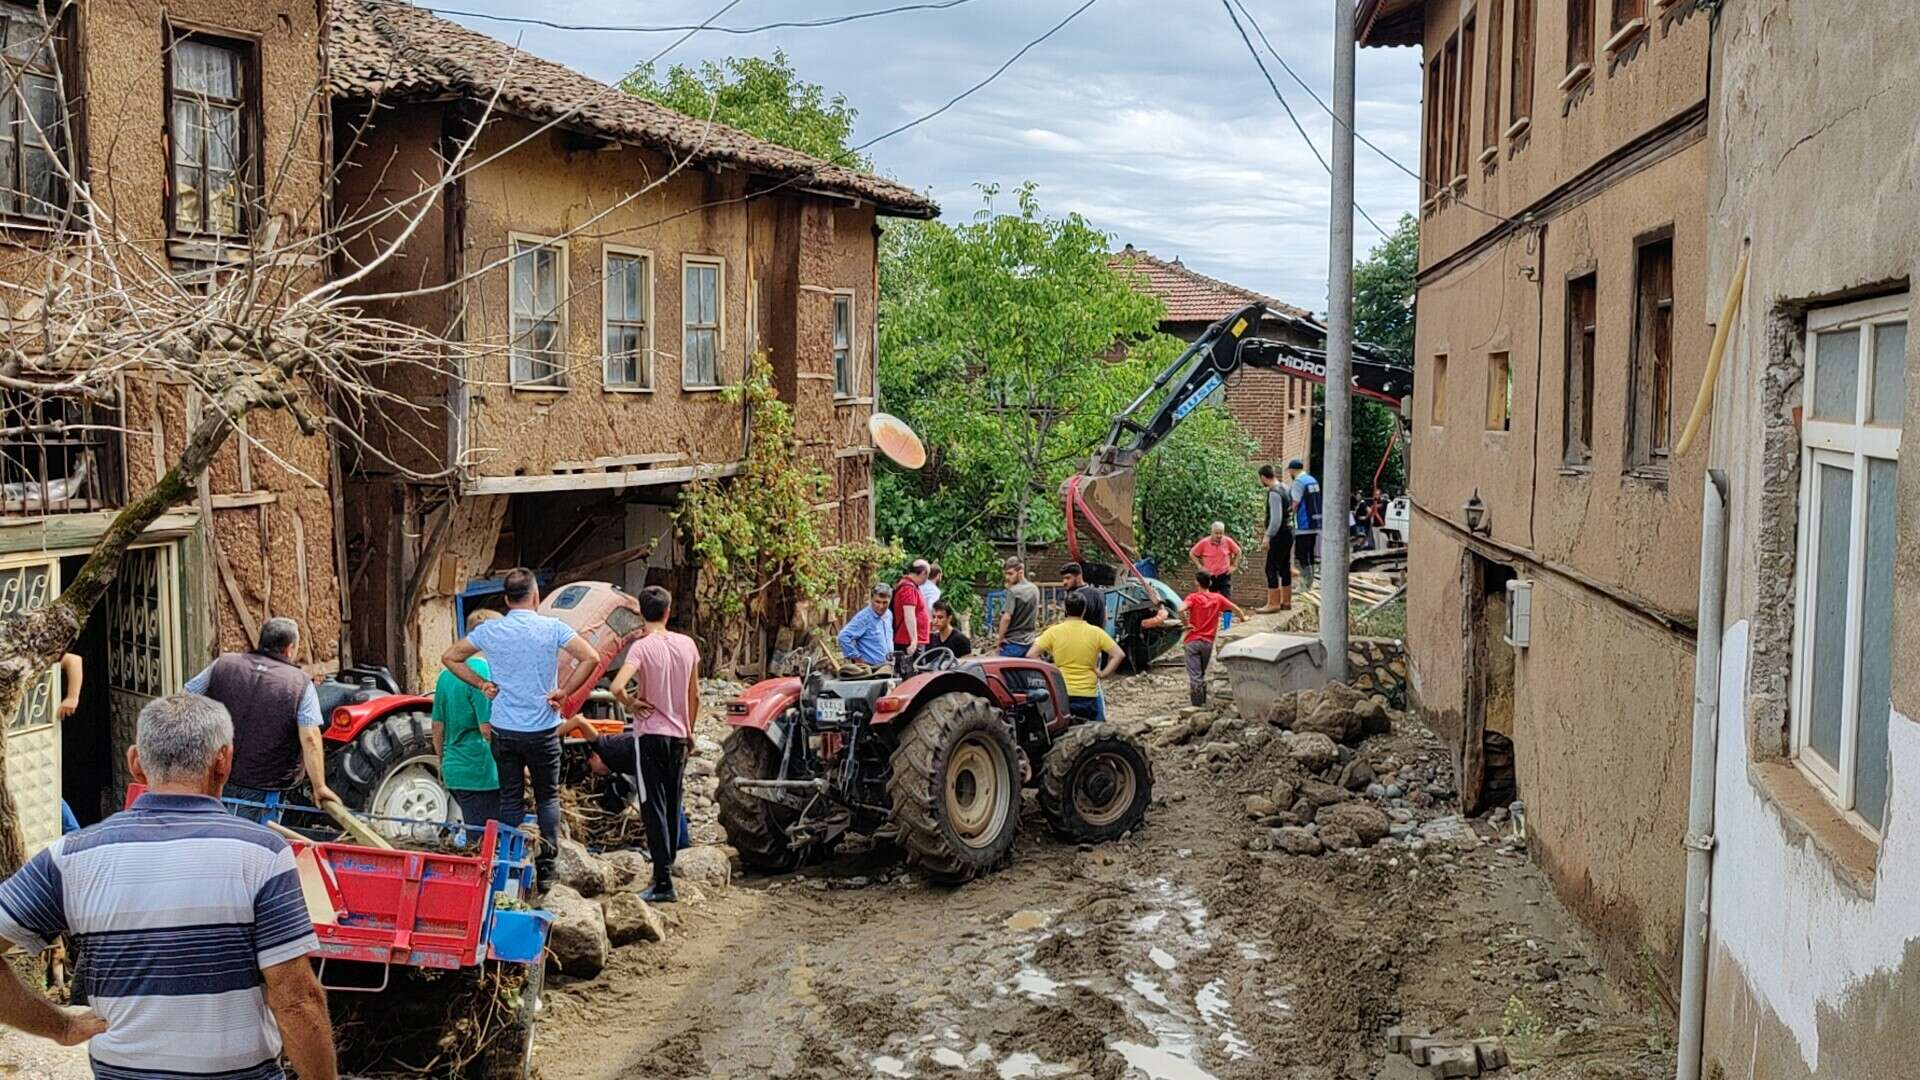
[{"x": 1179, "y": 953}]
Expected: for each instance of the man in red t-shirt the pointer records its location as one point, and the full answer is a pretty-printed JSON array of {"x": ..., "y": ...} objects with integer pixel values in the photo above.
[
  {"x": 1217, "y": 556},
  {"x": 1201, "y": 614},
  {"x": 910, "y": 609}
]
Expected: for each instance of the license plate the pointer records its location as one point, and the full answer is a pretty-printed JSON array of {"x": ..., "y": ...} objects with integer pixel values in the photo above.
[{"x": 831, "y": 710}]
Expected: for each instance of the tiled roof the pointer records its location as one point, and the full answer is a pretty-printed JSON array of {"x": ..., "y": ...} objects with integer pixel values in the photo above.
[
  {"x": 1190, "y": 296},
  {"x": 390, "y": 49}
]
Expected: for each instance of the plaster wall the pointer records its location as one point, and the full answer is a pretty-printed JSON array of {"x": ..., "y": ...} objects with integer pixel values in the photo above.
[
  {"x": 1660, "y": 77},
  {"x": 1814, "y": 180}
]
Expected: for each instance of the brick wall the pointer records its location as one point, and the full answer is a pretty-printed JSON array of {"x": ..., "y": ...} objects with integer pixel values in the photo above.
[{"x": 1276, "y": 410}]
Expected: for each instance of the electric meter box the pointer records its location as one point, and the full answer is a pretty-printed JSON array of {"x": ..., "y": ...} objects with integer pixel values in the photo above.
[{"x": 1519, "y": 613}]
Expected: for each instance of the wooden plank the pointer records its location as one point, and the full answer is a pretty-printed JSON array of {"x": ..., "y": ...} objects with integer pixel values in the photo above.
[
  {"x": 854, "y": 451},
  {"x": 244, "y": 444},
  {"x": 636, "y": 461},
  {"x": 525, "y": 485},
  {"x": 243, "y": 500},
  {"x": 232, "y": 584}
]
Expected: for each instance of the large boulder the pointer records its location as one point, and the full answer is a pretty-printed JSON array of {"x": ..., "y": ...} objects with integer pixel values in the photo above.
[
  {"x": 1357, "y": 774},
  {"x": 707, "y": 866},
  {"x": 580, "y": 871},
  {"x": 626, "y": 866},
  {"x": 577, "y": 945},
  {"x": 1284, "y": 710},
  {"x": 629, "y": 919},
  {"x": 1330, "y": 718},
  {"x": 1296, "y": 841},
  {"x": 1374, "y": 717},
  {"x": 1368, "y": 822},
  {"x": 1314, "y": 751}
]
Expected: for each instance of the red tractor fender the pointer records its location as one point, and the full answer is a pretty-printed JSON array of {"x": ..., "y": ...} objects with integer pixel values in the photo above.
[
  {"x": 348, "y": 721},
  {"x": 903, "y": 698},
  {"x": 759, "y": 705}
]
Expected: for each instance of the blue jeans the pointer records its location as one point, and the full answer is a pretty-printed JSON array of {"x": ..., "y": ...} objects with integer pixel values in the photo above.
[
  {"x": 517, "y": 754},
  {"x": 1092, "y": 709},
  {"x": 1014, "y": 648},
  {"x": 273, "y": 799}
]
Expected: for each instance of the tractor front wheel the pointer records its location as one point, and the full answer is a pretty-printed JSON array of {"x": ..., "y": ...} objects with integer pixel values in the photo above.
[
  {"x": 1095, "y": 784},
  {"x": 956, "y": 788},
  {"x": 390, "y": 771},
  {"x": 756, "y": 828}
]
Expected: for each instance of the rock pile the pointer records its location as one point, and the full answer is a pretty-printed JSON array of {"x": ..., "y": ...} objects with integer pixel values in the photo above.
[{"x": 596, "y": 906}]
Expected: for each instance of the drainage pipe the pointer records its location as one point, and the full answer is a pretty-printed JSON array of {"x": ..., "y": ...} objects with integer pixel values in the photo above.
[{"x": 1706, "y": 725}]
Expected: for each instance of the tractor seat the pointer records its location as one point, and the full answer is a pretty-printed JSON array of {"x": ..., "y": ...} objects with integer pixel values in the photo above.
[{"x": 862, "y": 690}]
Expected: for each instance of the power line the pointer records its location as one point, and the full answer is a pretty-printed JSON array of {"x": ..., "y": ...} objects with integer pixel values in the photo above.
[
  {"x": 691, "y": 30},
  {"x": 982, "y": 84},
  {"x": 1318, "y": 100},
  {"x": 631, "y": 28},
  {"x": 1278, "y": 96}
]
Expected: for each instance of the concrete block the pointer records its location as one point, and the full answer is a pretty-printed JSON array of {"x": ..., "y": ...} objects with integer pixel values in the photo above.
[
  {"x": 1398, "y": 1038},
  {"x": 1265, "y": 667},
  {"x": 1493, "y": 1053},
  {"x": 1420, "y": 1048},
  {"x": 1451, "y": 1062}
]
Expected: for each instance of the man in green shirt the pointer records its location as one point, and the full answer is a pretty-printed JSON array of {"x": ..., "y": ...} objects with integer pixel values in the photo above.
[{"x": 460, "y": 732}]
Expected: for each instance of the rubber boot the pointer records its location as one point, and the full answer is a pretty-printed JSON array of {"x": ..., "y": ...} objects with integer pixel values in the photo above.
[
  {"x": 1273, "y": 603},
  {"x": 1286, "y": 598}
]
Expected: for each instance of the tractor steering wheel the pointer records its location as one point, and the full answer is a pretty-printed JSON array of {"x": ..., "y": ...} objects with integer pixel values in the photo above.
[{"x": 939, "y": 658}]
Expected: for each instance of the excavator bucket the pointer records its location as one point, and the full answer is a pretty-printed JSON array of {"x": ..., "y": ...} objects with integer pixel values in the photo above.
[{"x": 1107, "y": 500}]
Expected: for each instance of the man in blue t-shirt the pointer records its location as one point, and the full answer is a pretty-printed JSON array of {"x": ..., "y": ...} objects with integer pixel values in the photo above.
[
  {"x": 1304, "y": 492},
  {"x": 523, "y": 656}
]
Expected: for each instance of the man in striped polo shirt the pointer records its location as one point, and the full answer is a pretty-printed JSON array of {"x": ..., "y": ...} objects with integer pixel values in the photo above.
[{"x": 191, "y": 921}]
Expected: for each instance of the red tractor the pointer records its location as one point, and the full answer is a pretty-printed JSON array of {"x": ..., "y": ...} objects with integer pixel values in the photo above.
[
  {"x": 940, "y": 756},
  {"x": 380, "y": 757}
]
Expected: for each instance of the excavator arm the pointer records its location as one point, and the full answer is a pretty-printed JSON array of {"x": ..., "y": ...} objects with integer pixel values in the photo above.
[{"x": 1101, "y": 496}]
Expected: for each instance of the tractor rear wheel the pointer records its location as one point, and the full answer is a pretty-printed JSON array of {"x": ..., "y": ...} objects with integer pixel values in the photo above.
[
  {"x": 1095, "y": 784},
  {"x": 756, "y": 828},
  {"x": 956, "y": 788},
  {"x": 390, "y": 770}
]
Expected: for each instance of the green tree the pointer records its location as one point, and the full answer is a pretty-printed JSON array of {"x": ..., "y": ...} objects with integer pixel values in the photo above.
[
  {"x": 1383, "y": 291},
  {"x": 1382, "y": 316},
  {"x": 1197, "y": 476},
  {"x": 760, "y": 96},
  {"x": 1008, "y": 343}
]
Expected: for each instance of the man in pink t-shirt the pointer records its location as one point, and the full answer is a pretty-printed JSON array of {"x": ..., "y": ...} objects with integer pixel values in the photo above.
[
  {"x": 1217, "y": 556},
  {"x": 659, "y": 684}
]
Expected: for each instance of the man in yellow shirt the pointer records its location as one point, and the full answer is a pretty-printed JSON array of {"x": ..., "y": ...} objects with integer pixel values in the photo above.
[{"x": 1085, "y": 654}]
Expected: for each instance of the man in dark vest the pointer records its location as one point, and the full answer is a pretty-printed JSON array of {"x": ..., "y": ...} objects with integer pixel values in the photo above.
[{"x": 276, "y": 716}]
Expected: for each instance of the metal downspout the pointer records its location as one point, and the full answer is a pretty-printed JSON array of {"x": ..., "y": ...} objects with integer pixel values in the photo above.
[{"x": 1706, "y": 722}]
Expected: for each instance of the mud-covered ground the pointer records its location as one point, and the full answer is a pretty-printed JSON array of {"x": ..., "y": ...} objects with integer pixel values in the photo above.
[{"x": 1177, "y": 953}]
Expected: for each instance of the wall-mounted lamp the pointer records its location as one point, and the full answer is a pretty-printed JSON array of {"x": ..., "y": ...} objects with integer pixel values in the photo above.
[{"x": 1477, "y": 517}]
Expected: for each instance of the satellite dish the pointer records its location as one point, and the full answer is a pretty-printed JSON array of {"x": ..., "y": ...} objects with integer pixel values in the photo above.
[{"x": 894, "y": 438}]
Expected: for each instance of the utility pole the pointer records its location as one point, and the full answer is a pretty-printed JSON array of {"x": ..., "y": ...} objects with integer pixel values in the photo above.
[{"x": 1337, "y": 482}]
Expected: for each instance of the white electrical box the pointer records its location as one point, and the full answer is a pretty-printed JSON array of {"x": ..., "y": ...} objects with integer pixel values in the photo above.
[{"x": 1519, "y": 613}]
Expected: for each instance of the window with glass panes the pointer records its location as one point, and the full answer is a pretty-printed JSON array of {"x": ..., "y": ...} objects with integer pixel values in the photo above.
[
  {"x": 208, "y": 127},
  {"x": 32, "y": 115},
  {"x": 1854, "y": 401},
  {"x": 537, "y": 352},
  {"x": 700, "y": 324},
  {"x": 843, "y": 373},
  {"x": 624, "y": 323}
]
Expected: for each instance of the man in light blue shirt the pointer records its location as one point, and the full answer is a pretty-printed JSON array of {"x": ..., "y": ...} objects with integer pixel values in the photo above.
[
  {"x": 523, "y": 655},
  {"x": 868, "y": 636}
]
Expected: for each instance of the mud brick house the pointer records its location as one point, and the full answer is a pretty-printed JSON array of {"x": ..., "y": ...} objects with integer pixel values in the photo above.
[
  {"x": 613, "y": 265},
  {"x": 117, "y": 91},
  {"x": 1277, "y": 411},
  {"x": 1812, "y": 964},
  {"x": 1562, "y": 333}
]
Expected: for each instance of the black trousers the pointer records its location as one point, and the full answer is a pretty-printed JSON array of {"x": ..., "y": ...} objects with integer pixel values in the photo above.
[
  {"x": 1280, "y": 562},
  {"x": 519, "y": 754},
  {"x": 663, "y": 759}
]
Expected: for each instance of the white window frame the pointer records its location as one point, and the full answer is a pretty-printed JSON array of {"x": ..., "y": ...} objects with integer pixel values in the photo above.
[
  {"x": 850, "y": 386},
  {"x": 608, "y": 253},
  {"x": 719, "y": 325},
  {"x": 555, "y": 383},
  {"x": 1849, "y": 445}
]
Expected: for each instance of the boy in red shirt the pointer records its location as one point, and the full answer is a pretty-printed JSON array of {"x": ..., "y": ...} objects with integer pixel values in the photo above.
[{"x": 1201, "y": 616}]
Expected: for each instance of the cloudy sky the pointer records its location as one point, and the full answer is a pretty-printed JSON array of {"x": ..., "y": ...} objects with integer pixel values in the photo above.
[{"x": 1146, "y": 116}]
